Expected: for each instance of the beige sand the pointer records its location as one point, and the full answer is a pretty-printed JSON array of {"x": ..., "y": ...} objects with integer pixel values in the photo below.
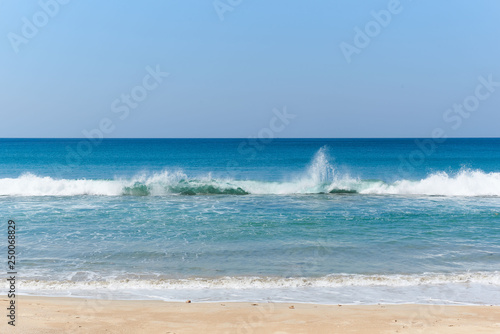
[{"x": 72, "y": 315}]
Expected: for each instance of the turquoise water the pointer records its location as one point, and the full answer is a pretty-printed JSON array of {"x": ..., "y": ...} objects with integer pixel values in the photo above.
[{"x": 314, "y": 220}]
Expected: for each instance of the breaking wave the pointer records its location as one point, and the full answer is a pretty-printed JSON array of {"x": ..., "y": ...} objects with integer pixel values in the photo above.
[
  {"x": 319, "y": 178},
  {"x": 334, "y": 280}
]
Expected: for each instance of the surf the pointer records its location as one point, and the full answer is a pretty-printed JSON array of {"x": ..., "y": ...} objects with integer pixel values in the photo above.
[
  {"x": 259, "y": 282},
  {"x": 320, "y": 177}
]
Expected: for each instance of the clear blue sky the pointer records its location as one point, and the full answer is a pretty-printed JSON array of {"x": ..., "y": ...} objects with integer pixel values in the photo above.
[{"x": 226, "y": 76}]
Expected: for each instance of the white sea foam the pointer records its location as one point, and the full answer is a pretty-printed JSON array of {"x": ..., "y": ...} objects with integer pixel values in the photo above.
[
  {"x": 32, "y": 185},
  {"x": 464, "y": 183},
  {"x": 320, "y": 177},
  {"x": 334, "y": 280},
  {"x": 431, "y": 288}
]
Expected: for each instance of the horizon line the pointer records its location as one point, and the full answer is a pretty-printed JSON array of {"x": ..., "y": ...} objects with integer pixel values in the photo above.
[{"x": 246, "y": 138}]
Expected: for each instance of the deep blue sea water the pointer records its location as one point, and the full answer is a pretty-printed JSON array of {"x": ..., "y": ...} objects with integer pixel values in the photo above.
[{"x": 351, "y": 221}]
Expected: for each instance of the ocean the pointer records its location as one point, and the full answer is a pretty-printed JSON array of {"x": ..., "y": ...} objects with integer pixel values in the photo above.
[{"x": 331, "y": 221}]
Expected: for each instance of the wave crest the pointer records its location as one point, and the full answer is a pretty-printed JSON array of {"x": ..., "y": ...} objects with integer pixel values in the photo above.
[
  {"x": 319, "y": 178},
  {"x": 333, "y": 280}
]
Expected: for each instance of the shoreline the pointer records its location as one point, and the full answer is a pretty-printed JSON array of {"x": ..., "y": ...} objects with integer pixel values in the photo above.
[
  {"x": 111, "y": 298},
  {"x": 80, "y": 315}
]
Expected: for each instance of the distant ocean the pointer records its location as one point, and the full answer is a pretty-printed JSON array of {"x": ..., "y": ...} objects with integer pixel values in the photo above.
[{"x": 334, "y": 221}]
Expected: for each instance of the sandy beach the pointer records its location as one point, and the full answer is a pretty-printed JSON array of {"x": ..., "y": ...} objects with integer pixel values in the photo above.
[{"x": 73, "y": 315}]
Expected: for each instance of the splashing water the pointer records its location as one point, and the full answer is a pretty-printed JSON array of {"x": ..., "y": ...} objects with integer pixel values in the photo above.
[{"x": 319, "y": 177}]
